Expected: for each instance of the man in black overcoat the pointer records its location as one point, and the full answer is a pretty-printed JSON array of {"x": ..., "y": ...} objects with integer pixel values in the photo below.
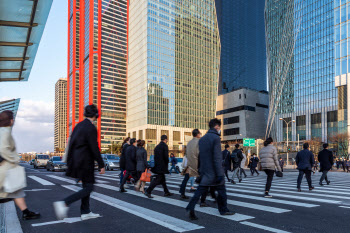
[
  {"x": 325, "y": 157},
  {"x": 81, "y": 154}
]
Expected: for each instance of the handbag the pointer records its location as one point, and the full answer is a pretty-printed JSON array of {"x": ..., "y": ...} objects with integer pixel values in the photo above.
[
  {"x": 146, "y": 176},
  {"x": 259, "y": 166},
  {"x": 279, "y": 174},
  {"x": 15, "y": 179}
]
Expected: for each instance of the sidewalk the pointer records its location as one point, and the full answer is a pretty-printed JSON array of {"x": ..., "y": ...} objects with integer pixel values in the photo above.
[{"x": 9, "y": 222}]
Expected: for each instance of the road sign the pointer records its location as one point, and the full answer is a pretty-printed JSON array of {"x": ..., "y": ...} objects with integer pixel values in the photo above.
[{"x": 249, "y": 142}]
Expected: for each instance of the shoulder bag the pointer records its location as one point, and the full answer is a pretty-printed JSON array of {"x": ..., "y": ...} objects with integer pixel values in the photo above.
[{"x": 15, "y": 179}]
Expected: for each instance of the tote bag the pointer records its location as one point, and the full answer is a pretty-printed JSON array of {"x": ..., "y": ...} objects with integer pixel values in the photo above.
[
  {"x": 146, "y": 176},
  {"x": 15, "y": 179}
]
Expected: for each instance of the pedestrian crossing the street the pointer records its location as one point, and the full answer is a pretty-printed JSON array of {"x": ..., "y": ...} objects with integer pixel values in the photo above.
[{"x": 244, "y": 198}]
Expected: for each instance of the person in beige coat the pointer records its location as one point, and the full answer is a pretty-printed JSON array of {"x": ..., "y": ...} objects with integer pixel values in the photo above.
[
  {"x": 269, "y": 162},
  {"x": 9, "y": 159},
  {"x": 191, "y": 168}
]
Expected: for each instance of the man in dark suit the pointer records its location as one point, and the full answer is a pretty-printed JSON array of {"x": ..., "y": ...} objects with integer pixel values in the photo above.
[
  {"x": 82, "y": 152},
  {"x": 211, "y": 171},
  {"x": 305, "y": 160},
  {"x": 325, "y": 157},
  {"x": 161, "y": 161},
  {"x": 130, "y": 164}
]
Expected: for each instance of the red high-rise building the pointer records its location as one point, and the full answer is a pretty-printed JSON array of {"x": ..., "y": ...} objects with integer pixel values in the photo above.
[{"x": 97, "y": 65}]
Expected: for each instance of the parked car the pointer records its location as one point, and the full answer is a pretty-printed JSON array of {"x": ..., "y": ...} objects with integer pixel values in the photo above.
[
  {"x": 111, "y": 161},
  {"x": 40, "y": 161},
  {"x": 56, "y": 164},
  {"x": 178, "y": 166}
]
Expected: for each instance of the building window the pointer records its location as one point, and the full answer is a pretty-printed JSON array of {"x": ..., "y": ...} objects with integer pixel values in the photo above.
[
  {"x": 129, "y": 135},
  {"x": 332, "y": 123},
  {"x": 234, "y": 131},
  {"x": 176, "y": 136},
  {"x": 240, "y": 96},
  {"x": 245, "y": 96},
  {"x": 316, "y": 126},
  {"x": 262, "y": 105},
  {"x": 301, "y": 127},
  {"x": 165, "y": 132},
  {"x": 231, "y": 120},
  {"x": 236, "y": 109},
  {"x": 151, "y": 134},
  {"x": 134, "y": 134},
  {"x": 140, "y": 134}
]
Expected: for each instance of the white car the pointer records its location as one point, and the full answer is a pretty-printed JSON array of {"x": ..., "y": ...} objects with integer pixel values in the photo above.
[
  {"x": 40, "y": 161},
  {"x": 178, "y": 166}
]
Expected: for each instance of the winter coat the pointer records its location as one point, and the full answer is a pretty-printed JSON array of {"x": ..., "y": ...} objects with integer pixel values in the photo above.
[
  {"x": 305, "y": 160},
  {"x": 130, "y": 158},
  {"x": 268, "y": 158},
  {"x": 141, "y": 159},
  {"x": 226, "y": 158},
  {"x": 281, "y": 163},
  {"x": 254, "y": 162},
  {"x": 192, "y": 153},
  {"x": 83, "y": 151},
  {"x": 240, "y": 158},
  {"x": 161, "y": 159},
  {"x": 210, "y": 159},
  {"x": 243, "y": 160},
  {"x": 8, "y": 153},
  {"x": 122, "y": 156},
  {"x": 173, "y": 161},
  {"x": 325, "y": 157}
]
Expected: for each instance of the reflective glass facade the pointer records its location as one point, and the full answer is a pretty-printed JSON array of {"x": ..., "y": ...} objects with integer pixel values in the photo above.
[
  {"x": 309, "y": 95},
  {"x": 243, "y": 47},
  {"x": 11, "y": 105},
  {"x": 100, "y": 62},
  {"x": 173, "y": 64}
]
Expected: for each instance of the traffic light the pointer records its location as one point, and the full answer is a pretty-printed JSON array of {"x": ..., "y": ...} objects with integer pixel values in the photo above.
[{"x": 288, "y": 148}]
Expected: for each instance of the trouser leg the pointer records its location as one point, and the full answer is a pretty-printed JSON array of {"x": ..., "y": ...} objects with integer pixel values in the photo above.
[
  {"x": 184, "y": 183},
  {"x": 269, "y": 179},
  {"x": 192, "y": 181},
  {"x": 226, "y": 174},
  {"x": 300, "y": 177},
  {"x": 242, "y": 172},
  {"x": 83, "y": 195},
  {"x": 252, "y": 171},
  {"x": 121, "y": 175},
  {"x": 201, "y": 190},
  {"x": 163, "y": 183},
  {"x": 154, "y": 182},
  {"x": 324, "y": 175},
  {"x": 308, "y": 177},
  {"x": 222, "y": 199},
  {"x": 127, "y": 174}
]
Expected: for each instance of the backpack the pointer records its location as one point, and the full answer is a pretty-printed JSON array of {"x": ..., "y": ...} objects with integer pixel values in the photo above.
[
  {"x": 234, "y": 157},
  {"x": 224, "y": 160}
]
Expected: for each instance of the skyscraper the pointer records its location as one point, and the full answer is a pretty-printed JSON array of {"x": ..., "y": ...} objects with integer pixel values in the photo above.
[
  {"x": 97, "y": 65},
  {"x": 11, "y": 105},
  {"x": 174, "y": 55},
  {"x": 301, "y": 65},
  {"x": 60, "y": 135},
  {"x": 243, "y": 48}
]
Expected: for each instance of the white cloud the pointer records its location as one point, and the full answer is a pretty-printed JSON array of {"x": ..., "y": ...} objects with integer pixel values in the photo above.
[{"x": 34, "y": 126}]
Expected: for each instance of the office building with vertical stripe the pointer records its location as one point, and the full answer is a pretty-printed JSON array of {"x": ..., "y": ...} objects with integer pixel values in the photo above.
[
  {"x": 97, "y": 65},
  {"x": 11, "y": 105},
  {"x": 60, "y": 134},
  {"x": 173, "y": 69}
]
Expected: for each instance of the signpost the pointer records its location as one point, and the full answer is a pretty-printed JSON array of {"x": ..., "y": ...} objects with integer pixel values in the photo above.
[{"x": 249, "y": 142}]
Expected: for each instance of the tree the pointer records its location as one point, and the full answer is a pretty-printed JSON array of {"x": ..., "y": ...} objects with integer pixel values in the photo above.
[
  {"x": 315, "y": 145},
  {"x": 341, "y": 143},
  {"x": 115, "y": 148}
]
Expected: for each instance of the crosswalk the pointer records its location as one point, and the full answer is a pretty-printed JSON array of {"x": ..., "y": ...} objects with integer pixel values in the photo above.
[{"x": 245, "y": 198}]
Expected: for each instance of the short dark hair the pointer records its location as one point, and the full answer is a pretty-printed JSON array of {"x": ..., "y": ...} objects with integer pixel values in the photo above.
[
  {"x": 140, "y": 143},
  {"x": 306, "y": 145},
  {"x": 163, "y": 137},
  {"x": 132, "y": 141},
  {"x": 195, "y": 132},
  {"x": 237, "y": 146},
  {"x": 242, "y": 149},
  {"x": 227, "y": 146},
  {"x": 91, "y": 111},
  {"x": 214, "y": 122},
  {"x": 268, "y": 141},
  {"x": 5, "y": 118},
  {"x": 325, "y": 145}
]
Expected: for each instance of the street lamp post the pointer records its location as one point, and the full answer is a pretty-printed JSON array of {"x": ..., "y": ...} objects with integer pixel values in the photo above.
[{"x": 292, "y": 121}]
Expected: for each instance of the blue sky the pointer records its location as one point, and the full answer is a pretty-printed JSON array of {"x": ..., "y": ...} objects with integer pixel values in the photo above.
[{"x": 33, "y": 130}]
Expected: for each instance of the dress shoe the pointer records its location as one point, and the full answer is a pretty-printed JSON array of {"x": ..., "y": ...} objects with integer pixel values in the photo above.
[
  {"x": 240, "y": 180},
  {"x": 311, "y": 188},
  {"x": 232, "y": 182},
  {"x": 321, "y": 183},
  {"x": 328, "y": 182},
  {"x": 168, "y": 194},
  {"x": 228, "y": 213},
  {"x": 184, "y": 196},
  {"x": 122, "y": 190},
  {"x": 193, "y": 215},
  {"x": 299, "y": 190},
  {"x": 28, "y": 215},
  {"x": 148, "y": 195},
  {"x": 203, "y": 204}
]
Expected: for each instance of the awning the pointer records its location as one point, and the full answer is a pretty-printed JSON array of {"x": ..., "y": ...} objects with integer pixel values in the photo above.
[
  {"x": 22, "y": 23},
  {"x": 11, "y": 105}
]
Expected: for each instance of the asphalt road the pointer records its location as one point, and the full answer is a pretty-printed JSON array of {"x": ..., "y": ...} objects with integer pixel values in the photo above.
[{"x": 326, "y": 209}]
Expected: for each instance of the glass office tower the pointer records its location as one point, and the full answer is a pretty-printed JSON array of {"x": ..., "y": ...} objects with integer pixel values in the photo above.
[
  {"x": 173, "y": 68},
  {"x": 243, "y": 48},
  {"x": 97, "y": 59},
  {"x": 11, "y": 105},
  {"x": 309, "y": 95}
]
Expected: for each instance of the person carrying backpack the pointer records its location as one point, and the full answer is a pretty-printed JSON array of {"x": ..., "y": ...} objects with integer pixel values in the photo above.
[{"x": 236, "y": 159}]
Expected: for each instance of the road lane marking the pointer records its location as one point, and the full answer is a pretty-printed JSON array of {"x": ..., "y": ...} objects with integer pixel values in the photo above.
[
  {"x": 41, "y": 181},
  {"x": 247, "y": 205},
  {"x": 66, "y": 220},
  {"x": 346, "y": 207},
  {"x": 8, "y": 214},
  {"x": 36, "y": 190},
  {"x": 262, "y": 227},
  {"x": 183, "y": 204},
  {"x": 73, "y": 181},
  {"x": 167, "y": 221}
]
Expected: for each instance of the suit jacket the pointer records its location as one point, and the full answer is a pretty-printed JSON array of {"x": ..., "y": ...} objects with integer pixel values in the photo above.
[
  {"x": 325, "y": 157},
  {"x": 122, "y": 161},
  {"x": 130, "y": 158},
  {"x": 210, "y": 159},
  {"x": 83, "y": 151},
  {"x": 161, "y": 159},
  {"x": 305, "y": 159}
]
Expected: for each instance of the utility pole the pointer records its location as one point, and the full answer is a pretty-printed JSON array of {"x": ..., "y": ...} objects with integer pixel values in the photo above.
[{"x": 292, "y": 121}]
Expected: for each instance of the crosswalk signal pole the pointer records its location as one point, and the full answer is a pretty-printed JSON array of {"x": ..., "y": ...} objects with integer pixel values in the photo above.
[{"x": 287, "y": 123}]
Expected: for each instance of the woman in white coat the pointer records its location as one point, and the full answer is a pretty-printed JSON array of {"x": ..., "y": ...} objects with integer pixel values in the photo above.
[{"x": 9, "y": 159}]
